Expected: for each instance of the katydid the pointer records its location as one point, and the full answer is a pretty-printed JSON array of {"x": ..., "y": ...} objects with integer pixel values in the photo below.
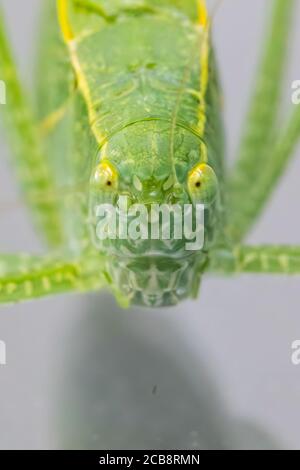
[{"x": 129, "y": 104}]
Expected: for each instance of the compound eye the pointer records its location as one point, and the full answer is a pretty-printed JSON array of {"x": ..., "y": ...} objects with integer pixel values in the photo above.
[
  {"x": 106, "y": 176},
  {"x": 203, "y": 184}
]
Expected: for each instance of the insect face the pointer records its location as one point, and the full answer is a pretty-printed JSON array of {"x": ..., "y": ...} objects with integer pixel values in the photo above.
[{"x": 144, "y": 204}]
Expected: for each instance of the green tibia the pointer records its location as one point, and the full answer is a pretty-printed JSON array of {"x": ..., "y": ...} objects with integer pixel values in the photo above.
[
  {"x": 257, "y": 259},
  {"x": 283, "y": 150},
  {"x": 247, "y": 188},
  {"x": 27, "y": 148},
  {"x": 25, "y": 277},
  {"x": 54, "y": 78}
]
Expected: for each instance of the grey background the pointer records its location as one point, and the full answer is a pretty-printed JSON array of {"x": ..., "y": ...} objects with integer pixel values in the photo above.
[{"x": 213, "y": 373}]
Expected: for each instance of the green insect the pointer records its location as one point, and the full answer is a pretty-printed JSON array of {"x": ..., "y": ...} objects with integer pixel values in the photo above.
[{"x": 128, "y": 104}]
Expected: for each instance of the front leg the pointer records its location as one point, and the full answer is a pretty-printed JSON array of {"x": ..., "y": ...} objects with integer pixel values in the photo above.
[
  {"x": 26, "y": 277},
  {"x": 265, "y": 259}
]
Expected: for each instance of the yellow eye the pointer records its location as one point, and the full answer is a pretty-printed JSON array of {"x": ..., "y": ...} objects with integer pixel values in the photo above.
[
  {"x": 203, "y": 184},
  {"x": 106, "y": 176}
]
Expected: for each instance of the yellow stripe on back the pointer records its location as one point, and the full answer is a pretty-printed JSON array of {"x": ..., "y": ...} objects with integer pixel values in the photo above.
[
  {"x": 63, "y": 17},
  {"x": 86, "y": 92},
  {"x": 202, "y": 13},
  {"x": 69, "y": 37},
  {"x": 203, "y": 21}
]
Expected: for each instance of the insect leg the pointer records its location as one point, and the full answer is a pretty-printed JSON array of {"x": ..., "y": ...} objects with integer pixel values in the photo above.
[
  {"x": 26, "y": 145},
  {"x": 281, "y": 153},
  {"x": 247, "y": 185},
  {"x": 265, "y": 259},
  {"x": 25, "y": 277}
]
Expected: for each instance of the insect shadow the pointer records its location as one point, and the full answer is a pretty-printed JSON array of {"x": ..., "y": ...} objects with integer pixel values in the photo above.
[{"x": 129, "y": 382}]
